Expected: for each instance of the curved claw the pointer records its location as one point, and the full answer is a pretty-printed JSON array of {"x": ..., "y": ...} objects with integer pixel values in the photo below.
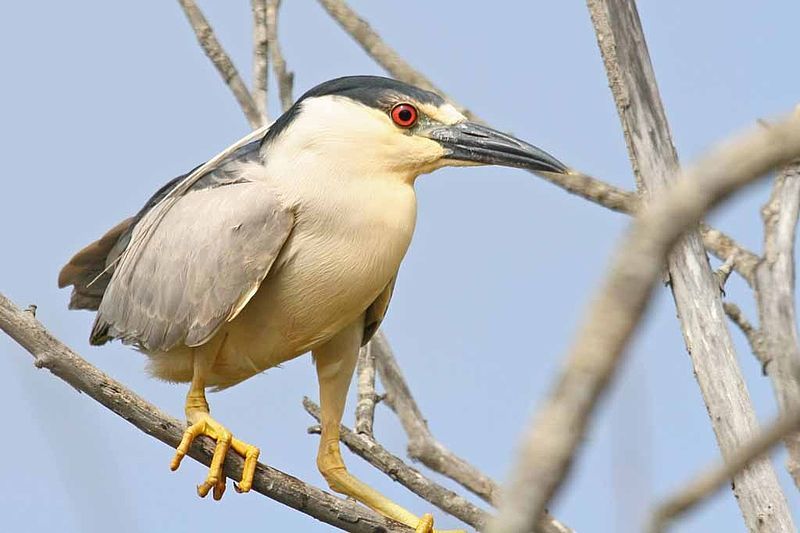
[{"x": 219, "y": 489}]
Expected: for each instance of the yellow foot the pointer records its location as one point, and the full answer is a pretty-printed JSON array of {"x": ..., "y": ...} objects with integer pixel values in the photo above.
[
  {"x": 425, "y": 525},
  {"x": 216, "y": 478}
]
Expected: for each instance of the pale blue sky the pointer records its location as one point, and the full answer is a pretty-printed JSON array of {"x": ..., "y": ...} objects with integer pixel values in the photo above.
[{"x": 102, "y": 102}]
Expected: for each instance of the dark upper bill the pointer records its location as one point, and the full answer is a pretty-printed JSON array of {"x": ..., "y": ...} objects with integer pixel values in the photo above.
[{"x": 468, "y": 141}]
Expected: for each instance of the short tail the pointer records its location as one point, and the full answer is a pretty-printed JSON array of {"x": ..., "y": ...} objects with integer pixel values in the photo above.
[{"x": 87, "y": 272}]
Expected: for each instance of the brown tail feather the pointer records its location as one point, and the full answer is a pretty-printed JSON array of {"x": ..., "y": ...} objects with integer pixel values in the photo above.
[{"x": 85, "y": 270}]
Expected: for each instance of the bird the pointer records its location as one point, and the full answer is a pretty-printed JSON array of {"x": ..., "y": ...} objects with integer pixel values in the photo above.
[{"x": 288, "y": 242}]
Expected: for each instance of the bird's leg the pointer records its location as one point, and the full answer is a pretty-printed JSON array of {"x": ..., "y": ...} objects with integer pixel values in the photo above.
[
  {"x": 201, "y": 423},
  {"x": 335, "y": 362}
]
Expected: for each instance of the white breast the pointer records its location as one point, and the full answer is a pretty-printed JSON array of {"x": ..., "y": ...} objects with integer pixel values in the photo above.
[{"x": 345, "y": 249}]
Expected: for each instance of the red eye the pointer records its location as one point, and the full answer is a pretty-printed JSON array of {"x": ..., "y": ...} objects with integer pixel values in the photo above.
[{"x": 404, "y": 115}]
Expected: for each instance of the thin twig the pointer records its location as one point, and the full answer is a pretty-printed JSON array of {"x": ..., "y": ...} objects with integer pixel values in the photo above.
[
  {"x": 694, "y": 287},
  {"x": 722, "y": 274},
  {"x": 560, "y": 425},
  {"x": 367, "y": 398},
  {"x": 724, "y": 247},
  {"x": 260, "y": 57},
  {"x": 372, "y": 43},
  {"x": 751, "y": 333},
  {"x": 50, "y": 353},
  {"x": 284, "y": 77},
  {"x": 422, "y": 446},
  {"x": 714, "y": 479},
  {"x": 213, "y": 49},
  {"x": 394, "y": 467},
  {"x": 775, "y": 296}
]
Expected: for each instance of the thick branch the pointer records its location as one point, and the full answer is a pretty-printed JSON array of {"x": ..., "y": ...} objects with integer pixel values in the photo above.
[
  {"x": 714, "y": 479},
  {"x": 391, "y": 465},
  {"x": 560, "y": 425},
  {"x": 213, "y": 49},
  {"x": 775, "y": 290},
  {"x": 50, "y": 353},
  {"x": 367, "y": 398},
  {"x": 260, "y": 57},
  {"x": 694, "y": 287},
  {"x": 284, "y": 77}
]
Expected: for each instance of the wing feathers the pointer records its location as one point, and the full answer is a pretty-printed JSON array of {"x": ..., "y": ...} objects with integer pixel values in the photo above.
[{"x": 200, "y": 266}]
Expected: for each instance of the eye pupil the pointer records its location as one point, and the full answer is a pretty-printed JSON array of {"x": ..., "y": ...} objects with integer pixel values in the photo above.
[{"x": 404, "y": 115}]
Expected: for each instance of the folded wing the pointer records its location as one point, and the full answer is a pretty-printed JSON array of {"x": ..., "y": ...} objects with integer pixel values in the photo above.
[{"x": 195, "y": 268}]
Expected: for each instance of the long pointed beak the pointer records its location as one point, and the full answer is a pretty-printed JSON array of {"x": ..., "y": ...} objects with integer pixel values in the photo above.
[{"x": 468, "y": 141}]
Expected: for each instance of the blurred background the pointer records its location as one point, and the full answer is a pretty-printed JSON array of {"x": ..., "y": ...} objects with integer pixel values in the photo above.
[{"x": 103, "y": 102}]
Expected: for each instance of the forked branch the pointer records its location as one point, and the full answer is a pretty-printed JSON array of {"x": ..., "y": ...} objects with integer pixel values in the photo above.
[
  {"x": 775, "y": 296},
  {"x": 695, "y": 288},
  {"x": 560, "y": 425},
  {"x": 422, "y": 445}
]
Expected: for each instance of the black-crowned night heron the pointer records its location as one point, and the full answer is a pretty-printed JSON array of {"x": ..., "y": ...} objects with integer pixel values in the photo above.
[{"x": 289, "y": 243}]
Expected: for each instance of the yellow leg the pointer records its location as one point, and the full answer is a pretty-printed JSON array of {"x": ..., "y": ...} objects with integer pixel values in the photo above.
[
  {"x": 335, "y": 362},
  {"x": 201, "y": 423}
]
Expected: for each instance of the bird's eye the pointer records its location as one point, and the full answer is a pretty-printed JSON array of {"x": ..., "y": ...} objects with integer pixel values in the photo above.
[{"x": 404, "y": 115}]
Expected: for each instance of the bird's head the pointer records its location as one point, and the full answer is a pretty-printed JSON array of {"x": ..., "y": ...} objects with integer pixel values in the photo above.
[{"x": 373, "y": 125}]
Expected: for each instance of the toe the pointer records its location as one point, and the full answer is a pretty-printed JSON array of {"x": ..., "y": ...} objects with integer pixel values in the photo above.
[
  {"x": 205, "y": 487},
  {"x": 224, "y": 441},
  {"x": 425, "y": 524},
  {"x": 189, "y": 435}
]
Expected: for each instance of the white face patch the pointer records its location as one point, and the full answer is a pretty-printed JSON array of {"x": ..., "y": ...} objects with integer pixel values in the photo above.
[
  {"x": 353, "y": 140},
  {"x": 446, "y": 114}
]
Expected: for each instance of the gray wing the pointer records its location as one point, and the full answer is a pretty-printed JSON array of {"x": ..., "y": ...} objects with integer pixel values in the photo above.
[
  {"x": 196, "y": 269},
  {"x": 89, "y": 271},
  {"x": 376, "y": 311}
]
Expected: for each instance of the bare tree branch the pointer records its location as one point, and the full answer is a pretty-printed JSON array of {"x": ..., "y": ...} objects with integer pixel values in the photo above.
[
  {"x": 284, "y": 77},
  {"x": 260, "y": 57},
  {"x": 394, "y": 467},
  {"x": 213, "y": 49},
  {"x": 53, "y": 355},
  {"x": 422, "y": 446},
  {"x": 561, "y": 423},
  {"x": 372, "y": 43},
  {"x": 725, "y": 247},
  {"x": 695, "y": 289},
  {"x": 775, "y": 296},
  {"x": 722, "y": 274},
  {"x": 367, "y": 397},
  {"x": 753, "y": 335},
  {"x": 714, "y": 479}
]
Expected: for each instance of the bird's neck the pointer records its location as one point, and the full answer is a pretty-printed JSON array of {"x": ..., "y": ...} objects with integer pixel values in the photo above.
[{"x": 348, "y": 193}]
